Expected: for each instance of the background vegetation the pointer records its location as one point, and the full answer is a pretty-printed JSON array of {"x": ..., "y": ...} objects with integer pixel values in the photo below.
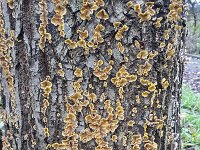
[{"x": 190, "y": 118}]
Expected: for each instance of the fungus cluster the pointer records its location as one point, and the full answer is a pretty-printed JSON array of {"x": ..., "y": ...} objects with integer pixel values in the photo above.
[
  {"x": 102, "y": 14},
  {"x": 158, "y": 22},
  {"x": 98, "y": 128},
  {"x": 114, "y": 138},
  {"x": 71, "y": 44},
  {"x": 102, "y": 74},
  {"x": 108, "y": 107},
  {"x": 102, "y": 145},
  {"x": 10, "y": 3},
  {"x": 98, "y": 39},
  {"x": 164, "y": 83},
  {"x": 44, "y": 35},
  {"x": 120, "y": 47},
  {"x": 166, "y": 34},
  {"x": 86, "y": 135},
  {"x": 147, "y": 14},
  {"x": 175, "y": 10},
  {"x": 60, "y": 71},
  {"x": 152, "y": 55},
  {"x": 144, "y": 69},
  {"x": 87, "y": 9},
  {"x": 83, "y": 35},
  {"x": 170, "y": 51},
  {"x": 46, "y": 86},
  {"x": 136, "y": 140},
  {"x": 58, "y": 18},
  {"x": 145, "y": 136},
  {"x": 119, "y": 110},
  {"x": 131, "y": 123},
  {"x": 78, "y": 72},
  {"x": 71, "y": 123},
  {"x": 151, "y": 146},
  {"x": 122, "y": 78},
  {"x": 6, "y": 44},
  {"x": 129, "y": 4},
  {"x": 71, "y": 143},
  {"x": 143, "y": 54},
  {"x": 120, "y": 31}
]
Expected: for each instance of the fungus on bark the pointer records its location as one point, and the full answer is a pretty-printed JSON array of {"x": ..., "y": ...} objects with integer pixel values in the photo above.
[
  {"x": 102, "y": 14},
  {"x": 58, "y": 18},
  {"x": 44, "y": 35}
]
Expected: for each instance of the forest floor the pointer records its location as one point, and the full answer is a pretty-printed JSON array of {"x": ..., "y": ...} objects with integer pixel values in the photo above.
[{"x": 191, "y": 74}]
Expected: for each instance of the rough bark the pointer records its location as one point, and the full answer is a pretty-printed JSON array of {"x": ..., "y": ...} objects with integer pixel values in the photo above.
[{"x": 135, "y": 90}]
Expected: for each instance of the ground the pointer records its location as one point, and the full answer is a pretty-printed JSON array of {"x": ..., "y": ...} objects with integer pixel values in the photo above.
[{"x": 192, "y": 73}]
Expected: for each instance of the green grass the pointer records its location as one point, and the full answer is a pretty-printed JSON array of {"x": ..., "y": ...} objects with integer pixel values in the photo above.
[{"x": 190, "y": 118}]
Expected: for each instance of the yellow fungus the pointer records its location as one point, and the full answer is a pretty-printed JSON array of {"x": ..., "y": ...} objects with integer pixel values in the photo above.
[
  {"x": 120, "y": 47},
  {"x": 109, "y": 52},
  {"x": 129, "y": 4},
  {"x": 142, "y": 54},
  {"x": 162, "y": 45},
  {"x": 164, "y": 83},
  {"x": 61, "y": 72},
  {"x": 100, "y": 3},
  {"x": 102, "y": 14},
  {"x": 146, "y": 16},
  {"x": 145, "y": 94},
  {"x": 117, "y": 24},
  {"x": 114, "y": 138},
  {"x": 92, "y": 96},
  {"x": 137, "y": 44},
  {"x": 131, "y": 123},
  {"x": 132, "y": 78},
  {"x": 152, "y": 87},
  {"x": 137, "y": 8},
  {"x": 72, "y": 44},
  {"x": 82, "y": 34},
  {"x": 78, "y": 72}
]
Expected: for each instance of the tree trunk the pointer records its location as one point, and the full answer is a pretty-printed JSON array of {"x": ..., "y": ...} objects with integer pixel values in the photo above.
[{"x": 91, "y": 74}]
